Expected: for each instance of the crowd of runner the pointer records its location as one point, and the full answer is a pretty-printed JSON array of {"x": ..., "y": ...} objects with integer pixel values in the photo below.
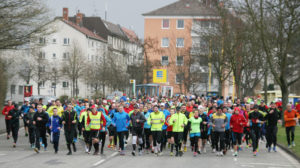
[{"x": 156, "y": 124}]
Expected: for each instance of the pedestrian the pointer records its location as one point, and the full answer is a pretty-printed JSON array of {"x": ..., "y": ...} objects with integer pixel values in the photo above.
[
  {"x": 290, "y": 119},
  {"x": 272, "y": 118},
  {"x": 40, "y": 119},
  {"x": 31, "y": 127},
  {"x": 121, "y": 121},
  {"x": 156, "y": 120},
  {"x": 86, "y": 128},
  {"x": 24, "y": 112},
  {"x": 14, "y": 116},
  {"x": 203, "y": 129},
  {"x": 55, "y": 125},
  {"x": 69, "y": 120},
  {"x": 5, "y": 112},
  {"x": 170, "y": 136},
  {"x": 147, "y": 130},
  {"x": 103, "y": 132}
]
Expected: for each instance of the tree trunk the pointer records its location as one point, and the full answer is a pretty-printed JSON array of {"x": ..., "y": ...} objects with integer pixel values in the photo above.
[
  {"x": 266, "y": 86},
  {"x": 285, "y": 99},
  {"x": 39, "y": 86}
]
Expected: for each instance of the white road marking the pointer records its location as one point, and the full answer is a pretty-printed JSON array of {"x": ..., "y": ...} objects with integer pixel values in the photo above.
[
  {"x": 269, "y": 164},
  {"x": 288, "y": 157},
  {"x": 2, "y": 154},
  {"x": 112, "y": 155}
]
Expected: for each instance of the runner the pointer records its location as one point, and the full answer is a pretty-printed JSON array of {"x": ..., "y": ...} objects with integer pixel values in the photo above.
[
  {"x": 156, "y": 120},
  {"x": 121, "y": 121},
  {"x": 137, "y": 120},
  {"x": 147, "y": 131},
  {"x": 204, "y": 129},
  {"x": 103, "y": 132},
  {"x": 69, "y": 119},
  {"x": 237, "y": 123},
  {"x": 24, "y": 112},
  {"x": 5, "y": 112},
  {"x": 178, "y": 121},
  {"x": 55, "y": 124},
  {"x": 290, "y": 118},
  {"x": 40, "y": 120},
  {"x": 273, "y": 117},
  {"x": 164, "y": 128},
  {"x": 14, "y": 115},
  {"x": 170, "y": 137},
  {"x": 31, "y": 126},
  {"x": 86, "y": 129},
  {"x": 195, "y": 122}
]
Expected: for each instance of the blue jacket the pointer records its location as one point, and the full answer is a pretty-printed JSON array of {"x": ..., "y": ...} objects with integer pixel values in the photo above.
[
  {"x": 112, "y": 112},
  {"x": 124, "y": 98},
  {"x": 78, "y": 110},
  {"x": 147, "y": 115},
  {"x": 108, "y": 122},
  {"x": 227, "y": 126},
  {"x": 121, "y": 121},
  {"x": 166, "y": 113},
  {"x": 25, "y": 109},
  {"x": 55, "y": 122}
]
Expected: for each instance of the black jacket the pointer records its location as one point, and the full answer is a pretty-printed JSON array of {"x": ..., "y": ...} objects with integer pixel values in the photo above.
[
  {"x": 68, "y": 117},
  {"x": 43, "y": 122},
  {"x": 273, "y": 118},
  {"x": 29, "y": 117},
  {"x": 16, "y": 114},
  {"x": 137, "y": 116}
]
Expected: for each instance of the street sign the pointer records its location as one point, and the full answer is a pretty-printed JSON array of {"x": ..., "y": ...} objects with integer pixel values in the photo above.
[{"x": 132, "y": 81}]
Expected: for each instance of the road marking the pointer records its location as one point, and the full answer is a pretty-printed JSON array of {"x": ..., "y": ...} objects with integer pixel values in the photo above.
[
  {"x": 288, "y": 157},
  {"x": 112, "y": 155},
  {"x": 269, "y": 164},
  {"x": 2, "y": 154}
]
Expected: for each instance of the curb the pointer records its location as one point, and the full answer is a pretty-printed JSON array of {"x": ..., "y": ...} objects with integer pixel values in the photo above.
[{"x": 289, "y": 152}]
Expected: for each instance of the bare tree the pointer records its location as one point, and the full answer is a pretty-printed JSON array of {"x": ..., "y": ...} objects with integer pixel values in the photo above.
[
  {"x": 73, "y": 67},
  {"x": 278, "y": 23}
]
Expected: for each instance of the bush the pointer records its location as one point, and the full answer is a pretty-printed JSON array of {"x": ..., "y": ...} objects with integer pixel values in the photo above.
[{"x": 63, "y": 98}]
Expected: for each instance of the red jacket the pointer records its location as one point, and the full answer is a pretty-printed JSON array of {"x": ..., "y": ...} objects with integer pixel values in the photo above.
[
  {"x": 289, "y": 118},
  {"x": 237, "y": 123},
  {"x": 5, "y": 111},
  {"x": 170, "y": 127},
  {"x": 189, "y": 108},
  {"x": 127, "y": 110},
  {"x": 102, "y": 119}
]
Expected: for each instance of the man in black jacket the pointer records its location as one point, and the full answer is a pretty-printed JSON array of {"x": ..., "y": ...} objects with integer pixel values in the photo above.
[
  {"x": 137, "y": 120},
  {"x": 69, "y": 119},
  {"x": 31, "y": 127},
  {"x": 14, "y": 116},
  {"x": 40, "y": 120},
  {"x": 272, "y": 117}
]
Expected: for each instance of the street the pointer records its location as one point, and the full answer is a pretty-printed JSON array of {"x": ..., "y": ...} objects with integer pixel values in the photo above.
[{"x": 24, "y": 156}]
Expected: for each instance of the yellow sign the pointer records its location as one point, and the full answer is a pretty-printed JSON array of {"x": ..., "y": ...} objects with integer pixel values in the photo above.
[{"x": 159, "y": 76}]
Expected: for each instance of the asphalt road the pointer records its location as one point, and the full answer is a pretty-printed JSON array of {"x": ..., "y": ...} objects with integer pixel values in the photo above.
[{"x": 23, "y": 156}]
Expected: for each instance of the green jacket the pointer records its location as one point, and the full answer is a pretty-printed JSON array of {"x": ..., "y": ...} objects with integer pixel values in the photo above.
[
  {"x": 195, "y": 124},
  {"x": 177, "y": 120},
  {"x": 83, "y": 120},
  {"x": 156, "y": 124}
]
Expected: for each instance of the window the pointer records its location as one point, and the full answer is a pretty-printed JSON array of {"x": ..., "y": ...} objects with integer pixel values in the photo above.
[
  {"x": 66, "y": 56},
  {"x": 165, "y": 23},
  {"x": 20, "y": 90},
  {"x": 13, "y": 89},
  {"x": 42, "y": 55},
  {"x": 180, "y": 24},
  {"x": 180, "y": 42},
  {"x": 179, "y": 60},
  {"x": 66, "y": 41},
  {"x": 179, "y": 78},
  {"x": 42, "y": 68},
  {"x": 54, "y": 41},
  {"x": 165, "y": 42},
  {"x": 164, "y": 60},
  {"x": 205, "y": 24},
  {"x": 65, "y": 84},
  {"x": 42, "y": 84},
  {"x": 54, "y": 56},
  {"x": 53, "y": 85},
  {"x": 42, "y": 40}
]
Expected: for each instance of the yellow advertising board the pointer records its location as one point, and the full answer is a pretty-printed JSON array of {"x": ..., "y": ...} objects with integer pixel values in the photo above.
[{"x": 159, "y": 76}]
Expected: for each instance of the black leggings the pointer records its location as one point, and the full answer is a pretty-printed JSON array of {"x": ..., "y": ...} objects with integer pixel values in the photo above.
[
  {"x": 156, "y": 137},
  {"x": 255, "y": 134},
  {"x": 15, "y": 130},
  {"x": 271, "y": 135},
  {"x": 31, "y": 132},
  {"x": 290, "y": 131},
  {"x": 121, "y": 139},
  {"x": 219, "y": 141},
  {"x": 146, "y": 140},
  {"x": 102, "y": 136},
  {"x": 40, "y": 132},
  {"x": 194, "y": 143},
  {"x": 178, "y": 136},
  {"x": 8, "y": 126}
]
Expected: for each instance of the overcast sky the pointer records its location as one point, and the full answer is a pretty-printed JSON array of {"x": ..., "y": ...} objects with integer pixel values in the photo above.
[{"x": 127, "y": 13}]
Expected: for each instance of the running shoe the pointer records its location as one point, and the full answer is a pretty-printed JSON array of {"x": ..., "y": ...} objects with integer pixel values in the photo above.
[
  {"x": 171, "y": 154},
  {"x": 14, "y": 145},
  {"x": 293, "y": 144},
  {"x": 133, "y": 153},
  {"x": 255, "y": 153},
  {"x": 185, "y": 149},
  {"x": 36, "y": 150},
  {"x": 195, "y": 154},
  {"x": 269, "y": 149},
  {"x": 274, "y": 149}
]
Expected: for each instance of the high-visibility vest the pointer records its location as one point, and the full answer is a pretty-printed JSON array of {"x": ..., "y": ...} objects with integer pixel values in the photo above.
[{"x": 95, "y": 123}]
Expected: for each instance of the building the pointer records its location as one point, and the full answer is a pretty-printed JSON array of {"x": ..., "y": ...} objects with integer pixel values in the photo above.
[
  {"x": 173, "y": 29},
  {"x": 43, "y": 63}
]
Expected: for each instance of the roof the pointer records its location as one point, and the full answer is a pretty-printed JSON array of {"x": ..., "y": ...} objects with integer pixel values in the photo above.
[
  {"x": 184, "y": 8},
  {"x": 115, "y": 29},
  {"x": 84, "y": 30},
  {"x": 131, "y": 35},
  {"x": 94, "y": 24}
]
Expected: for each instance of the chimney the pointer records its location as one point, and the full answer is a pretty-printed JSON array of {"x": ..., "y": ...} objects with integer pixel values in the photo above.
[
  {"x": 65, "y": 14},
  {"x": 79, "y": 18}
]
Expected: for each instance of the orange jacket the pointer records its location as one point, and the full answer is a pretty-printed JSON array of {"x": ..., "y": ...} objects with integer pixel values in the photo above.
[{"x": 289, "y": 118}]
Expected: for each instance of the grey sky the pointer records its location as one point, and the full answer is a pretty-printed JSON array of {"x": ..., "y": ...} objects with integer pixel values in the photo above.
[{"x": 124, "y": 12}]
